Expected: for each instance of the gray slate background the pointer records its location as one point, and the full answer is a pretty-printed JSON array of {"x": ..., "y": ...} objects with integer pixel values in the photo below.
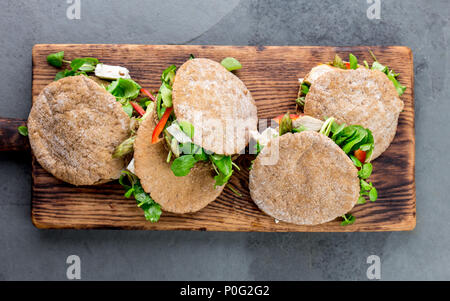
[{"x": 27, "y": 253}]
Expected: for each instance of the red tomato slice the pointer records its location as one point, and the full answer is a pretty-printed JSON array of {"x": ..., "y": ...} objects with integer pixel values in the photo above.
[
  {"x": 292, "y": 116},
  {"x": 360, "y": 155}
]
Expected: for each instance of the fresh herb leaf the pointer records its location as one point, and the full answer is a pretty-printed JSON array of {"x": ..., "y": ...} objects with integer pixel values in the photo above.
[
  {"x": 299, "y": 129},
  {"x": 391, "y": 75},
  {"x": 353, "y": 61},
  {"x": 377, "y": 66},
  {"x": 166, "y": 94},
  {"x": 230, "y": 63},
  {"x": 399, "y": 87},
  {"x": 336, "y": 129},
  {"x": 65, "y": 73},
  {"x": 159, "y": 109},
  {"x": 326, "y": 126},
  {"x": 128, "y": 108},
  {"x": 56, "y": 59},
  {"x": 86, "y": 64},
  {"x": 125, "y": 148},
  {"x": 23, "y": 130},
  {"x": 365, "y": 171},
  {"x": 124, "y": 88},
  {"x": 365, "y": 186},
  {"x": 348, "y": 219},
  {"x": 361, "y": 200},
  {"x": 144, "y": 102},
  {"x": 338, "y": 63},
  {"x": 168, "y": 75},
  {"x": 359, "y": 136},
  {"x": 187, "y": 128},
  {"x": 224, "y": 168},
  {"x": 221, "y": 179},
  {"x": 258, "y": 148},
  {"x": 152, "y": 210},
  {"x": 182, "y": 165},
  {"x": 373, "y": 194},
  {"x": 355, "y": 161},
  {"x": 223, "y": 163},
  {"x": 285, "y": 125},
  {"x": 300, "y": 102},
  {"x": 200, "y": 155},
  {"x": 191, "y": 56},
  {"x": 304, "y": 88}
]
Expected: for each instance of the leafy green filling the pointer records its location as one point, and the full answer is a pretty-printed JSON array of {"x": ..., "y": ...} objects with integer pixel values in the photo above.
[
  {"x": 353, "y": 61},
  {"x": 231, "y": 64},
  {"x": 23, "y": 130},
  {"x": 191, "y": 153},
  {"x": 78, "y": 66},
  {"x": 132, "y": 185},
  {"x": 124, "y": 89}
]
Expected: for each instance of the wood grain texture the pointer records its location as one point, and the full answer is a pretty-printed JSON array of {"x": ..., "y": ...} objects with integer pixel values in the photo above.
[
  {"x": 271, "y": 74},
  {"x": 10, "y": 139}
]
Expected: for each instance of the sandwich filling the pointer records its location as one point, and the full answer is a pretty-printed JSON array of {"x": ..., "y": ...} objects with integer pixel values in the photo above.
[{"x": 352, "y": 63}]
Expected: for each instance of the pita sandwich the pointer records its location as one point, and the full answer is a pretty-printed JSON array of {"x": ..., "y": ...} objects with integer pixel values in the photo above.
[
  {"x": 312, "y": 183},
  {"x": 363, "y": 96},
  {"x": 74, "y": 127},
  {"x": 182, "y": 154},
  {"x": 185, "y": 194},
  {"x": 306, "y": 173}
]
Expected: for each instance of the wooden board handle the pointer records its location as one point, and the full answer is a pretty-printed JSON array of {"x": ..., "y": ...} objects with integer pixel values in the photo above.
[{"x": 10, "y": 139}]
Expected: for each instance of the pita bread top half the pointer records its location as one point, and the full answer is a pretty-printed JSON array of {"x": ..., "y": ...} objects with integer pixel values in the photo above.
[
  {"x": 356, "y": 97},
  {"x": 74, "y": 127},
  {"x": 217, "y": 103}
]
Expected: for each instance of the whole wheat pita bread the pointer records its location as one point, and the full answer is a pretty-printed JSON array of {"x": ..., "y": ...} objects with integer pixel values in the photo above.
[
  {"x": 74, "y": 127},
  {"x": 363, "y": 97},
  {"x": 216, "y": 103},
  {"x": 175, "y": 194},
  {"x": 313, "y": 182}
]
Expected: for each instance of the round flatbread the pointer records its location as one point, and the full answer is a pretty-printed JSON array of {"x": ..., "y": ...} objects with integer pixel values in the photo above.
[
  {"x": 312, "y": 182},
  {"x": 216, "y": 103},
  {"x": 363, "y": 97},
  {"x": 74, "y": 127},
  {"x": 175, "y": 194}
]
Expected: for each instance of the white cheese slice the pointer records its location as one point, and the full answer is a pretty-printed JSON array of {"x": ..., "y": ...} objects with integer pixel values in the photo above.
[
  {"x": 130, "y": 166},
  {"x": 175, "y": 130},
  {"x": 312, "y": 124},
  {"x": 264, "y": 137},
  {"x": 111, "y": 72}
]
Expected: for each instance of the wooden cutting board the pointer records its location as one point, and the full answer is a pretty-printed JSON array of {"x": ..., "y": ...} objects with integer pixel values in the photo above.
[{"x": 271, "y": 74}]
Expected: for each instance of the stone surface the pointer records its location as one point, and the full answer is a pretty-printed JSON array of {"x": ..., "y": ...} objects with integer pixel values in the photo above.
[{"x": 28, "y": 253}]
